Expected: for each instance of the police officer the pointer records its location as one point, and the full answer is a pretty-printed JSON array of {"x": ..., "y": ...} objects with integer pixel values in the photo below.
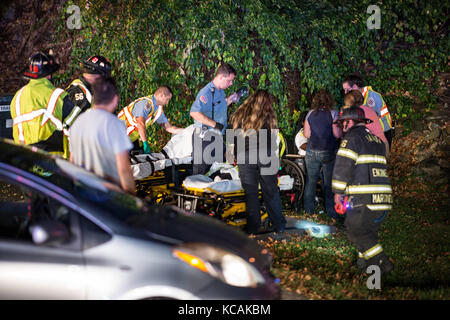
[
  {"x": 39, "y": 109},
  {"x": 360, "y": 174},
  {"x": 143, "y": 112},
  {"x": 80, "y": 90},
  {"x": 374, "y": 100},
  {"x": 209, "y": 111}
]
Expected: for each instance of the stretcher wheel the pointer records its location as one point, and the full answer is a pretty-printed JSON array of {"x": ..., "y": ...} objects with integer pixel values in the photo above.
[{"x": 294, "y": 196}]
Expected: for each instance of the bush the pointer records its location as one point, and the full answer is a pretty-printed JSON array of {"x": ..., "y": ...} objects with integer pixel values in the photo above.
[{"x": 291, "y": 48}]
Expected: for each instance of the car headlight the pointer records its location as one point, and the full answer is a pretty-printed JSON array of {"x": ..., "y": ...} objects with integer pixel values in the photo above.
[{"x": 219, "y": 263}]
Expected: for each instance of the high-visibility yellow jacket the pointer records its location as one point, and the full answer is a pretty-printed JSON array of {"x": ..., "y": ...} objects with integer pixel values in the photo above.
[
  {"x": 376, "y": 102},
  {"x": 37, "y": 113},
  {"x": 126, "y": 115}
]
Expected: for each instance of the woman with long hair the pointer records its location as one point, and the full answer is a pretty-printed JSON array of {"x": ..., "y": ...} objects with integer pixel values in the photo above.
[
  {"x": 255, "y": 122},
  {"x": 322, "y": 137}
]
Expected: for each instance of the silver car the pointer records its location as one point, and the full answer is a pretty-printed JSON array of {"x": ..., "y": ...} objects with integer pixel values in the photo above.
[{"x": 66, "y": 234}]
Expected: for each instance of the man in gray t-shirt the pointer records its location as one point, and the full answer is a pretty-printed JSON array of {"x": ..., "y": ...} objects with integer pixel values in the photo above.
[{"x": 98, "y": 139}]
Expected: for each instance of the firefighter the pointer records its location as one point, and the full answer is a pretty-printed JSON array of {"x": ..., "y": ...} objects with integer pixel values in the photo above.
[
  {"x": 374, "y": 100},
  {"x": 360, "y": 176},
  {"x": 143, "y": 112},
  {"x": 39, "y": 109},
  {"x": 80, "y": 90}
]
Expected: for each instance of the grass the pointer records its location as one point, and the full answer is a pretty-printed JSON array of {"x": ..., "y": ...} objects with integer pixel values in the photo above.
[{"x": 415, "y": 235}]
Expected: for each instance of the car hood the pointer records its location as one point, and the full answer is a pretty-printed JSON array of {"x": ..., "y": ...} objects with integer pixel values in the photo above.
[{"x": 171, "y": 224}]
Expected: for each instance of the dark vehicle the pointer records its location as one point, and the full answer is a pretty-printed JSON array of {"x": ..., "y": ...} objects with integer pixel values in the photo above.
[{"x": 67, "y": 234}]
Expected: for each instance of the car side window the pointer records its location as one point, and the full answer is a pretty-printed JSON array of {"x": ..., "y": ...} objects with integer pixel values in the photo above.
[
  {"x": 14, "y": 204},
  {"x": 93, "y": 235},
  {"x": 23, "y": 208}
]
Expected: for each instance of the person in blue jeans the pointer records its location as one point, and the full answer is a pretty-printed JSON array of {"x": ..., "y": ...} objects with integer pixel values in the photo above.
[
  {"x": 321, "y": 150},
  {"x": 258, "y": 126}
]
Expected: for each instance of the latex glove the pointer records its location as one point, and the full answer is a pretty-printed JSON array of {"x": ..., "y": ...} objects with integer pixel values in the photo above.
[
  {"x": 233, "y": 98},
  {"x": 341, "y": 205},
  {"x": 146, "y": 147},
  {"x": 337, "y": 198}
]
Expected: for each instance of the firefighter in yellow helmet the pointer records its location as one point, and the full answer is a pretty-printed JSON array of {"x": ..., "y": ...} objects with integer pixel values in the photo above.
[{"x": 38, "y": 109}]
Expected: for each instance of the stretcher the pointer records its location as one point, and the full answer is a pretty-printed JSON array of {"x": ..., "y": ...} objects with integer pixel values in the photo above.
[
  {"x": 223, "y": 199},
  {"x": 158, "y": 174},
  {"x": 166, "y": 178},
  {"x": 158, "y": 177}
]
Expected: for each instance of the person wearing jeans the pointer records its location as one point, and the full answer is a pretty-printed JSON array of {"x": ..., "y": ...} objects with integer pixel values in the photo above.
[
  {"x": 321, "y": 150},
  {"x": 250, "y": 178},
  {"x": 316, "y": 160},
  {"x": 255, "y": 123}
]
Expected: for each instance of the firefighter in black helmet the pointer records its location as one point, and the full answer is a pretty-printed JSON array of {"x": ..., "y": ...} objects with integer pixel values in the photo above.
[
  {"x": 80, "y": 90},
  {"x": 39, "y": 108},
  {"x": 360, "y": 175}
]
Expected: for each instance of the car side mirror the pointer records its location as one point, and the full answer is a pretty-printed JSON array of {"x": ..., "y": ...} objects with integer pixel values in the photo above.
[{"x": 48, "y": 231}]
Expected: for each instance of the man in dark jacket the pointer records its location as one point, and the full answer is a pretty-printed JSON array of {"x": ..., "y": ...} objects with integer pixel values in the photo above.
[
  {"x": 360, "y": 175},
  {"x": 80, "y": 90}
]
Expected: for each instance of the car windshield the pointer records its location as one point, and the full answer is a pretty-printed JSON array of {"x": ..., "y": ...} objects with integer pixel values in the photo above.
[{"x": 91, "y": 187}]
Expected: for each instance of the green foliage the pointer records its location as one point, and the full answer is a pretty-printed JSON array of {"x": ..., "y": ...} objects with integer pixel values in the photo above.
[{"x": 181, "y": 43}]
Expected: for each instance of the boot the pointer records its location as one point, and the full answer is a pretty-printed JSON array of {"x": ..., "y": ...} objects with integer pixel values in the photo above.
[
  {"x": 382, "y": 261},
  {"x": 385, "y": 264},
  {"x": 361, "y": 263}
]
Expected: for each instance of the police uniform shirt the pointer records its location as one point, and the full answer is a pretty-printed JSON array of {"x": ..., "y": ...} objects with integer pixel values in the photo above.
[
  {"x": 204, "y": 104},
  {"x": 142, "y": 109}
]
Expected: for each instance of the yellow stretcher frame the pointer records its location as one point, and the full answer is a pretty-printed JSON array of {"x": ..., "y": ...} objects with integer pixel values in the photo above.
[{"x": 228, "y": 207}]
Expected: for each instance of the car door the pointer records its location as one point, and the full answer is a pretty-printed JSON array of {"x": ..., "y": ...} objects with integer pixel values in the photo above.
[{"x": 28, "y": 270}]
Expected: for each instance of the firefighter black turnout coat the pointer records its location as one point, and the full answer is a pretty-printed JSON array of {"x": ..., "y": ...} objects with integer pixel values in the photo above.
[
  {"x": 360, "y": 170},
  {"x": 79, "y": 92}
]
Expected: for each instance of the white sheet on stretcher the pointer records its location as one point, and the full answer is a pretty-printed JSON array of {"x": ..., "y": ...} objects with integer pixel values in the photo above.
[
  {"x": 206, "y": 184},
  {"x": 180, "y": 144},
  {"x": 178, "y": 150},
  {"x": 149, "y": 163},
  {"x": 148, "y": 166}
]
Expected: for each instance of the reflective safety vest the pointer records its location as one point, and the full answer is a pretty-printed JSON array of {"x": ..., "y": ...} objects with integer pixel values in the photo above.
[
  {"x": 81, "y": 98},
  {"x": 37, "y": 111},
  {"x": 360, "y": 170},
  {"x": 376, "y": 102},
  {"x": 126, "y": 115}
]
